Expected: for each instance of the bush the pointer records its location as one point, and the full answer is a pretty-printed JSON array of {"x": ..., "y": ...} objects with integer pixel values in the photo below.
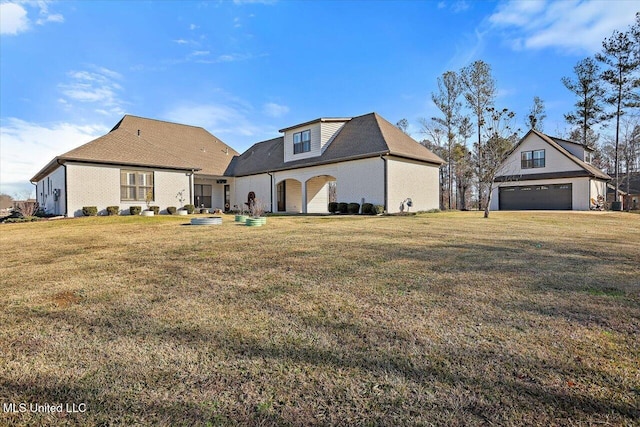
[
  {"x": 342, "y": 207},
  {"x": 113, "y": 210},
  {"x": 353, "y": 208},
  {"x": 90, "y": 210},
  {"x": 135, "y": 210},
  {"x": 379, "y": 209},
  {"x": 155, "y": 209},
  {"x": 171, "y": 210},
  {"x": 368, "y": 209},
  {"x": 190, "y": 209},
  {"x": 333, "y": 207}
]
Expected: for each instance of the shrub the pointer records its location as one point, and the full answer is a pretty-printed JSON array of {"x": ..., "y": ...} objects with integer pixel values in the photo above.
[
  {"x": 379, "y": 209},
  {"x": 368, "y": 209},
  {"x": 113, "y": 210},
  {"x": 171, "y": 210},
  {"x": 135, "y": 210},
  {"x": 190, "y": 209},
  {"x": 353, "y": 208},
  {"x": 342, "y": 207},
  {"x": 90, "y": 210},
  {"x": 155, "y": 209},
  {"x": 333, "y": 207}
]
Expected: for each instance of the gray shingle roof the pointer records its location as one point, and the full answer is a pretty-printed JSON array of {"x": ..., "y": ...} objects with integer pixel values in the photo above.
[
  {"x": 361, "y": 137},
  {"x": 138, "y": 141}
]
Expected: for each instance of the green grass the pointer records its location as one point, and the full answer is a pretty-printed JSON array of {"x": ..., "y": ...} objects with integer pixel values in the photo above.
[{"x": 442, "y": 318}]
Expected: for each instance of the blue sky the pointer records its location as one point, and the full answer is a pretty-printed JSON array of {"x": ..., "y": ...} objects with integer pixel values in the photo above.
[{"x": 244, "y": 69}]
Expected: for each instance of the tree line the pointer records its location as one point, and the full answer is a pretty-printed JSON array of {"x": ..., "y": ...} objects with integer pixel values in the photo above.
[{"x": 473, "y": 135}]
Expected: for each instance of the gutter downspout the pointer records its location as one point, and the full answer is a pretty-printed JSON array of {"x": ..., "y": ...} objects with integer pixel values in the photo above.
[
  {"x": 66, "y": 199},
  {"x": 271, "y": 201},
  {"x": 191, "y": 186},
  {"x": 386, "y": 183}
]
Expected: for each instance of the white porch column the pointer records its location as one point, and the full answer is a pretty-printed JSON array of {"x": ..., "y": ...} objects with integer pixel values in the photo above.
[{"x": 304, "y": 197}]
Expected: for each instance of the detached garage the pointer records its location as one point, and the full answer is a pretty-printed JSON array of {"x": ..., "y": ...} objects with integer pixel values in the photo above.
[
  {"x": 547, "y": 173},
  {"x": 535, "y": 197}
]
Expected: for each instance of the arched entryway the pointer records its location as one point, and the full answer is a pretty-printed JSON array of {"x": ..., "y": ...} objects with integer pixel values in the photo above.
[
  {"x": 318, "y": 190},
  {"x": 289, "y": 196}
]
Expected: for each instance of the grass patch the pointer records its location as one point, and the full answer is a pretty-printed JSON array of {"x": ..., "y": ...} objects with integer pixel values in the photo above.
[{"x": 448, "y": 318}]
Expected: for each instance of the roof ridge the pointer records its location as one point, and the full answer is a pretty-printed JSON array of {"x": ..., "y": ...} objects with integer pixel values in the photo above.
[{"x": 162, "y": 121}]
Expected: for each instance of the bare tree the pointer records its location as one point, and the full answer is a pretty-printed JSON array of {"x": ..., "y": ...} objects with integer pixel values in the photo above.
[
  {"x": 434, "y": 141},
  {"x": 537, "y": 114},
  {"x": 403, "y": 125},
  {"x": 630, "y": 149},
  {"x": 500, "y": 139},
  {"x": 480, "y": 92}
]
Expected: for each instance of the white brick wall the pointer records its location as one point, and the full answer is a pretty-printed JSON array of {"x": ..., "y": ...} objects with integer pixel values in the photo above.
[
  {"x": 97, "y": 185},
  {"x": 408, "y": 179}
]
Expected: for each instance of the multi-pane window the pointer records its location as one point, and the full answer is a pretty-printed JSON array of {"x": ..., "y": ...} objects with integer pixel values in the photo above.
[
  {"x": 302, "y": 142},
  {"x": 532, "y": 159},
  {"x": 134, "y": 185}
]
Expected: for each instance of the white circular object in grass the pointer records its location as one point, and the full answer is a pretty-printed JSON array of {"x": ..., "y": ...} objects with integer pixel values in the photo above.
[{"x": 214, "y": 220}]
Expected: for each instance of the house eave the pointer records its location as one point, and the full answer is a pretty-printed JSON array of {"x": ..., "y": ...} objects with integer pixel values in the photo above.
[
  {"x": 549, "y": 175},
  {"x": 58, "y": 161}
]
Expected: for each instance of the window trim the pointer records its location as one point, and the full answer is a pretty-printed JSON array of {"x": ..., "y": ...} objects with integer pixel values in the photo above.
[
  {"x": 303, "y": 145},
  {"x": 529, "y": 161},
  {"x": 126, "y": 186}
]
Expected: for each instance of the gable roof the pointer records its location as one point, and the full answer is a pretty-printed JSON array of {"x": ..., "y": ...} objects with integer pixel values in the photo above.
[
  {"x": 589, "y": 170},
  {"x": 142, "y": 142},
  {"x": 361, "y": 137}
]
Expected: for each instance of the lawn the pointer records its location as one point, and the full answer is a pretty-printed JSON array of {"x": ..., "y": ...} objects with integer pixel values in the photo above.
[{"x": 436, "y": 319}]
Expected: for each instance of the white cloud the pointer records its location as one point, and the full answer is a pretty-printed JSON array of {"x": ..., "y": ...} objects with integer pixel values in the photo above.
[
  {"x": 275, "y": 110},
  {"x": 14, "y": 16},
  {"x": 13, "y": 19},
  {"x": 27, "y": 147},
  {"x": 50, "y": 18},
  {"x": 571, "y": 25},
  {"x": 193, "y": 27},
  {"x": 97, "y": 86},
  {"x": 216, "y": 118}
]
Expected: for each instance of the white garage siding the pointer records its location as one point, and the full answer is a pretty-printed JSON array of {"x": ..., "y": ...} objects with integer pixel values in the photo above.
[
  {"x": 98, "y": 185},
  {"x": 415, "y": 180}
]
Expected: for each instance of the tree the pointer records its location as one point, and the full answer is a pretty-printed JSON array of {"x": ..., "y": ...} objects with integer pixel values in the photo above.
[
  {"x": 434, "y": 142},
  {"x": 446, "y": 99},
  {"x": 403, "y": 125},
  {"x": 479, "y": 92},
  {"x": 463, "y": 160},
  {"x": 590, "y": 97},
  {"x": 500, "y": 139},
  {"x": 630, "y": 149},
  {"x": 537, "y": 114},
  {"x": 6, "y": 201},
  {"x": 621, "y": 53}
]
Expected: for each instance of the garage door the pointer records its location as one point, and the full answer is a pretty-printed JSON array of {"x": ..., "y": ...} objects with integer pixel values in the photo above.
[{"x": 535, "y": 197}]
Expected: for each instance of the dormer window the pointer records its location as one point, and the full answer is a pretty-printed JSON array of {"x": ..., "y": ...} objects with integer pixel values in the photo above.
[
  {"x": 302, "y": 142},
  {"x": 532, "y": 159},
  {"x": 587, "y": 157}
]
